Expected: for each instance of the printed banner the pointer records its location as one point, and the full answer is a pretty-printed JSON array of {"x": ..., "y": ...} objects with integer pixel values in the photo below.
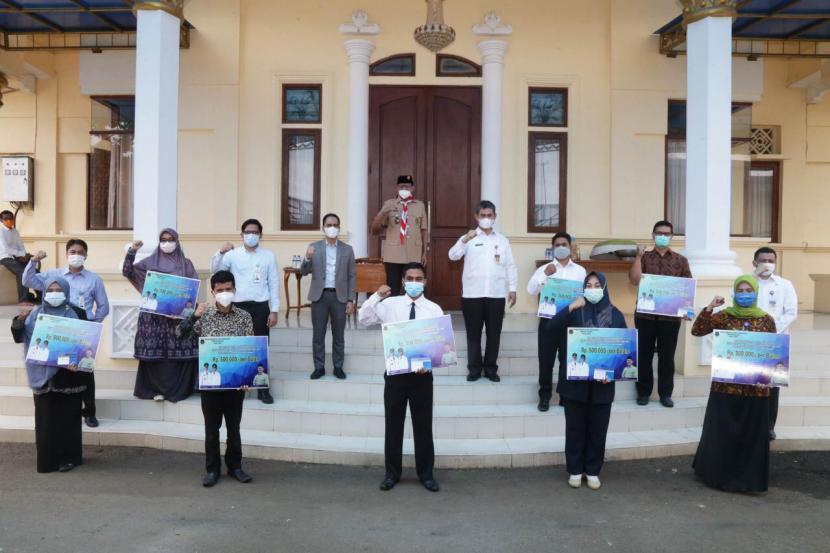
[
  {"x": 751, "y": 358},
  {"x": 60, "y": 342},
  {"x": 557, "y": 294},
  {"x": 419, "y": 345},
  {"x": 169, "y": 295},
  {"x": 230, "y": 362},
  {"x": 602, "y": 354},
  {"x": 666, "y": 295}
]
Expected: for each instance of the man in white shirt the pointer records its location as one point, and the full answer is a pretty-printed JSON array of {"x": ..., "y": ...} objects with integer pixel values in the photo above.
[
  {"x": 415, "y": 388},
  {"x": 561, "y": 267},
  {"x": 257, "y": 281},
  {"x": 776, "y": 296},
  {"x": 13, "y": 254},
  {"x": 489, "y": 275}
]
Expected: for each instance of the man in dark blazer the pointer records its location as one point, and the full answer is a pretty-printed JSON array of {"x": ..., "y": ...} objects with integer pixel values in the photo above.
[{"x": 332, "y": 293}]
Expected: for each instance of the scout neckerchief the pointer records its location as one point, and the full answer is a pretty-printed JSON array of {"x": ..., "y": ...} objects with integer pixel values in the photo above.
[{"x": 405, "y": 217}]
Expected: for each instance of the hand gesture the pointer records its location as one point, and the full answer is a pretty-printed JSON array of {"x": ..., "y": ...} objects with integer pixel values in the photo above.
[
  {"x": 24, "y": 313},
  {"x": 309, "y": 253},
  {"x": 511, "y": 299},
  {"x": 578, "y": 303},
  {"x": 384, "y": 292},
  {"x": 715, "y": 303},
  {"x": 469, "y": 236},
  {"x": 226, "y": 247},
  {"x": 550, "y": 269},
  {"x": 350, "y": 308},
  {"x": 200, "y": 309},
  {"x": 640, "y": 251},
  {"x": 40, "y": 255},
  {"x": 72, "y": 367},
  {"x": 135, "y": 246},
  {"x": 273, "y": 318}
]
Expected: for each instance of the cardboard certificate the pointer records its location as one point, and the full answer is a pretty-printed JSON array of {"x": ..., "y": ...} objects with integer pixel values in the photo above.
[
  {"x": 419, "y": 345},
  {"x": 751, "y": 358},
  {"x": 667, "y": 296},
  {"x": 169, "y": 295},
  {"x": 228, "y": 363},
  {"x": 602, "y": 354},
  {"x": 557, "y": 294},
  {"x": 60, "y": 342}
]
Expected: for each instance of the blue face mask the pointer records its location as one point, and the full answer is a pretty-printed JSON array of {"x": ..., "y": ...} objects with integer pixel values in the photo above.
[
  {"x": 251, "y": 240},
  {"x": 594, "y": 295},
  {"x": 745, "y": 299},
  {"x": 662, "y": 241},
  {"x": 413, "y": 289}
]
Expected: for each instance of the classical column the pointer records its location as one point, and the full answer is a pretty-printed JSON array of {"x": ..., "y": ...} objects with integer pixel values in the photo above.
[
  {"x": 358, "y": 52},
  {"x": 155, "y": 152},
  {"x": 492, "y": 59},
  {"x": 708, "y": 137}
]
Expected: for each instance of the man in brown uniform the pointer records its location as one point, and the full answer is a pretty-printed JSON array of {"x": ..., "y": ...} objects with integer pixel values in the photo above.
[{"x": 403, "y": 223}]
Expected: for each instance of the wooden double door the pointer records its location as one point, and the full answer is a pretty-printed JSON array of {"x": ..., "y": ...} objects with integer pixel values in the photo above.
[{"x": 434, "y": 134}]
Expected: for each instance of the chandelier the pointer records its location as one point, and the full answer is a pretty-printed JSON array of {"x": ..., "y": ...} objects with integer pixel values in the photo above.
[{"x": 435, "y": 35}]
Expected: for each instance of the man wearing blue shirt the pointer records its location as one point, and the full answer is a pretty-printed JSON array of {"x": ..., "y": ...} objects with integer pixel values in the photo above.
[{"x": 86, "y": 292}]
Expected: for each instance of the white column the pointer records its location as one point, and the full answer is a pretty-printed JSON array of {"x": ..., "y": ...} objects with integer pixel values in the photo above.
[
  {"x": 492, "y": 59},
  {"x": 155, "y": 152},
  {"x": 358, "y": 52},
  {"x": 708, "y": 147}
]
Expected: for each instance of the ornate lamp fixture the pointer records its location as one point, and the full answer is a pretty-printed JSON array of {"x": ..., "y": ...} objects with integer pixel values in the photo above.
[{"x": 435, "y": 35}]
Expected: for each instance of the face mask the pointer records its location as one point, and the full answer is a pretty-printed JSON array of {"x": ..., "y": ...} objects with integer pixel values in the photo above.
[
  {"x": 745, "y": 299},
  {"x": 561, "y": 252},
  {"x": 331, "y": 232},
  {"x": 413, "y": 289},
  {"x": 54, "y": 299},
  {"x": 76, "y": 261},
  {"x": 168, "y": 247},
  {"x": 765, "y": 269},
  {"x": 593, "y": 295},
  {"x": 251, "y": 240},
  {"x": 485, "y": 224},
  {"x": 404, "y": 194},
  {"x": 224, "y": 298},
  {"x": 9, "y": 223},
  {"x": 662, "y": 241}
]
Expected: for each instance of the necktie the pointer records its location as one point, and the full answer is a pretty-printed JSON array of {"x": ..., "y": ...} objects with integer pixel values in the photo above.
[{"x": 412, "y": 311}]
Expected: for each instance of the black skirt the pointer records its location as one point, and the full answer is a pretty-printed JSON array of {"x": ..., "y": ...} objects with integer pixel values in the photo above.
[
  {"x": 57, "y": 430},
  {"x": 175, "y": 380},
  {"x": 733, "y": 454}
]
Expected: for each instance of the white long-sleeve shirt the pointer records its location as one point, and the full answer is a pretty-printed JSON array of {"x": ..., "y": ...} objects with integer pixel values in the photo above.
[
  {"x": 11, "y": 245},
  {"x": 256, "y": 274},
  {"x": 395, "y": 309},
  {"x": 571, "y": 271},
  {"x": 489, "y": 269},
  {"x": 777, "y": 297}
]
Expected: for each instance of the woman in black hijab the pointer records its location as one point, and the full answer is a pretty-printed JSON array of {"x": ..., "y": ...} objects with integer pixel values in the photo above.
[{"x": 587, "y": 402}]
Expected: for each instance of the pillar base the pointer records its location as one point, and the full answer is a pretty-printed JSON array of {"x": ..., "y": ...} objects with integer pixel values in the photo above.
[{"x": 713, "y": 264}]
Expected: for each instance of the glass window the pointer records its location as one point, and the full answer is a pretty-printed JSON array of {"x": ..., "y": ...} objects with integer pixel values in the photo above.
[
  {"x": 302, "y": 103},
  {"x": 401, "y": 65},
  {"x": 546, "y": 183},
  {"x": 300, "y": 179},
  {"x": 548, "y": 107},
  {"x": 110, "y": 164},
  {"x": 455, "y": 66}
]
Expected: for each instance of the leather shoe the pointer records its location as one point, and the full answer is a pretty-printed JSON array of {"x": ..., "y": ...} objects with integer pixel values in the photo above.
[
  {"x": 91, "y": 421},
  {"x": 65, "y": 467},
  {"x": 431, "y": 485},
  {"x": 493, "y": 376},
  {"x": 340, "y": 374},
  {"x": 472, "y": 377},
  {"x": 666, "y": 402},
  {"x": 642, "y": 400},
  {"x": 544, "y": 405},
  {"x": 265, "y": 397},
  {"x": 240, "y": 475},
  {"x": 210, "y": 479},
  {"x": 388, "y": 483},
  {"x": 317, "y": 374}
]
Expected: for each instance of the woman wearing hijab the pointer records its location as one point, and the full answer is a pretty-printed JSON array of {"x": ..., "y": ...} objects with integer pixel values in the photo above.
[
  {"x": 733, "y": 454},
  {"x": 57, "y": 391},
  {"x": 166, "y": 365},
  {"x": 587, "y": 402}
]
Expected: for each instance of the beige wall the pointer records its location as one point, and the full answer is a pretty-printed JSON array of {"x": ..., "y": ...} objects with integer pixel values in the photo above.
[{"x": 602, "y": 50}]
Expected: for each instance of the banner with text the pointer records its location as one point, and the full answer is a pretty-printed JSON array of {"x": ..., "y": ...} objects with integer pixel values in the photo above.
[
  {"x": 169, "y": 295},
  {"x": 557, "y": 294},
  {"x": 667, "y": 296},
  {"x": 419, "y": 345},
  {"x": 61, "y": 342},
  {"x": 230, "y": 362},
  {"x": 602, "y": 354},
  {"x": 740, "y": 357}
]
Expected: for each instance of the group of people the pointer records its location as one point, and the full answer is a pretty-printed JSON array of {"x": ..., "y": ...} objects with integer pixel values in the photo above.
[{"x": 245, "y": 288}]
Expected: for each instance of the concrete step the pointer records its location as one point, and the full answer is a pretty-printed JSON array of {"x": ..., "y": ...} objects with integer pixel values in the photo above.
[{"x": 449, "y": 453}]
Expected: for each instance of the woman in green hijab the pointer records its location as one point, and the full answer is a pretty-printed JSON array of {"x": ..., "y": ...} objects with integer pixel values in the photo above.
[{"x": 733, "y": 454}]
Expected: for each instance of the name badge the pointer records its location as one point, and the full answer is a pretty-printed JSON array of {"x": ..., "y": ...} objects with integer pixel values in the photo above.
[
  {"x": 257, "y": 275},
  {"x": 81, "y": 302}
]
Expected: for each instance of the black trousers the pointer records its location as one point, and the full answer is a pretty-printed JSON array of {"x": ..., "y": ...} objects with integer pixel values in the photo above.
[
  {"x": 259, "y": 311},
  {"x": 548, "y": 345},
  {"x": 480, "y": 313},
  {"x": 658, "y": 336},
  {"x": 16, "y": 268},
  {"x": 586, "y": 427},
  {"x": 326, "y": 309},
  {"x": 774, "y": 393},
  {"x": 394, "y": 274},
  {"x": 215, "y": 405},
  {"x": 415, "y": 389},
  {"x": 57, "y": 430},
  {"x": 88, "y": 395}
]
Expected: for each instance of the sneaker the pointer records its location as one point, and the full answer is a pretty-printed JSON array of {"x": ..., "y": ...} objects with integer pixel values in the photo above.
[
  {"x": 575, "y": 480},
  {"x": 593, "y": 482}
]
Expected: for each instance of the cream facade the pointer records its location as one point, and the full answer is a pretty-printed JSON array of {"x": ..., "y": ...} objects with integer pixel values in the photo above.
[{"x": 229, "y": 126}]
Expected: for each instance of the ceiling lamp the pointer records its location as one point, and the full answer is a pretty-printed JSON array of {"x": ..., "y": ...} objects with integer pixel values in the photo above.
[{"x": 435, "y": 35}]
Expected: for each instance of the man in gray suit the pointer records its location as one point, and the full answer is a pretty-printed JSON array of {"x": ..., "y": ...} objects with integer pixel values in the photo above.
[{"x": 332, "y": 293}]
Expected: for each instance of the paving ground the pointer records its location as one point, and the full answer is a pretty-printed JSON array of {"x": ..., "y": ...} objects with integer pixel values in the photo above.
[{"x": 125, "y": 500}]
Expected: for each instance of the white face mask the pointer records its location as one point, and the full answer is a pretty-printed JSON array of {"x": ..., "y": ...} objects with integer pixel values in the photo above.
[
  {"x": 76, "y": 260},
  {"x": 224, "y": 298},
  {"x": 404, "y": 194},
  {"x": 168, "y": 247},
  {"x": 561, "y": 252},
  {"x": 54, "y": 299},
  {"x": 251, "y": 239},
  {"x": 765, "y": 270},
  {"x": 331, "y": 232},
  {"x": 485, "y": 224}
]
